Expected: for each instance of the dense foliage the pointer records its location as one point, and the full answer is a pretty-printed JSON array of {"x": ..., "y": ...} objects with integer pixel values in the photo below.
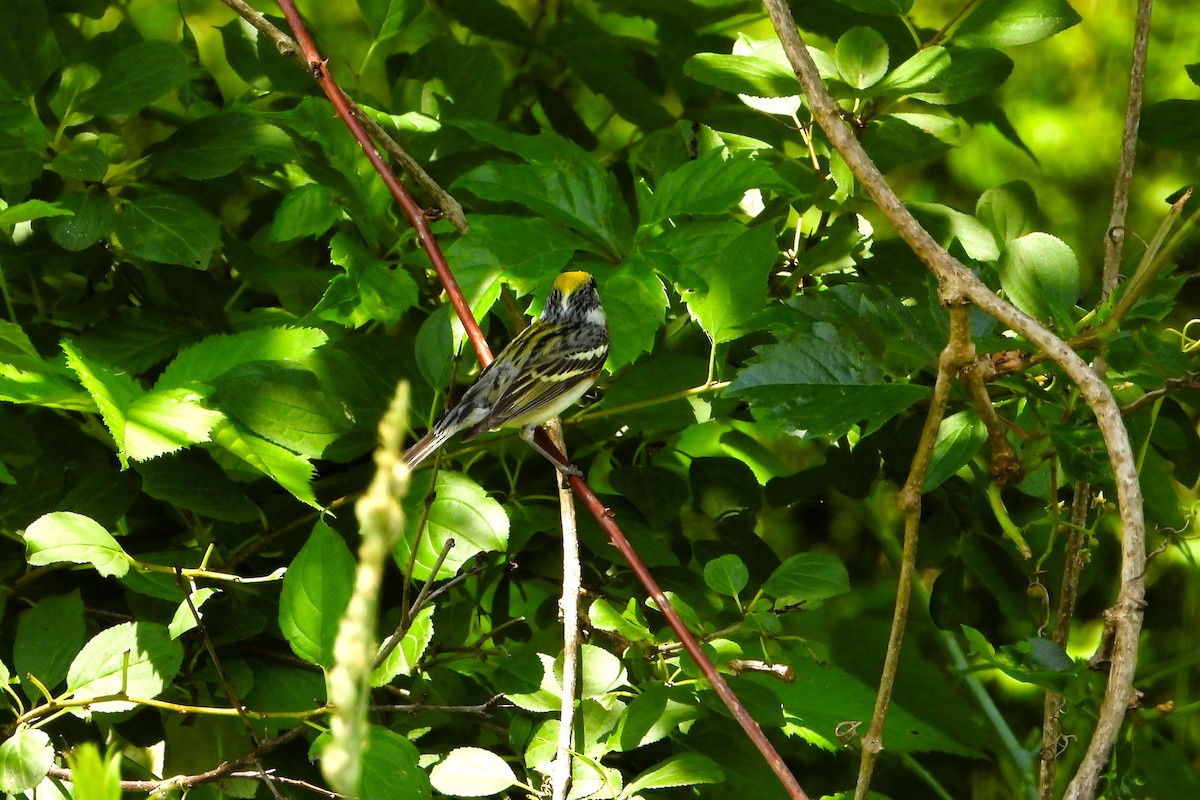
[{"x": 209, "y": 299}]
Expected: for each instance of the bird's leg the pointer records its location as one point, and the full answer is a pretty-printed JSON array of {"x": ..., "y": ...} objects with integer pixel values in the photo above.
[{"x": 529, "y": 434}]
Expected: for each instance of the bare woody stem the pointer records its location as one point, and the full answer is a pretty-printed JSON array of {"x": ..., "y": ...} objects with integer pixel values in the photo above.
[
  {"x": 958, "y": 353},
  {"x": 956, "y": 280}
]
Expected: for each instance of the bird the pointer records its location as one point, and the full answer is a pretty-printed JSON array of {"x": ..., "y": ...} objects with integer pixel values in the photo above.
[{"x": 537, "y": 376}]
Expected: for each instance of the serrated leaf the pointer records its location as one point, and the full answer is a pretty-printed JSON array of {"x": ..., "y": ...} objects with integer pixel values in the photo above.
[
  {"x": 685, "y": 769},
  {"x": 111, "y": 390},
  {"x": 1040, "y": 275},
  {"x": 726, "y": 575},
  {"x": 48, "y": 636},
  {"x": 135, "y": 78},
  {"x": 658, "y": 493},
  {"x": 461, "y": 510},
  {"x": 732, "y": 284},
  {"x": 861, "y": 56},
  {"x": 209, "y": 147},
  {"x": 407, "y": 654},
  {"x": 371, "y": 290},
  {"x": 947, "y": 224},
  {"x": 635, "y": 303},
  {"x": 91, "y": 219},
  {"x": 808, "y": 577},
  {"x": 166, "y": 420},
  {"x": 307, "y": 210},
  {"x": 64, "y": 536},
  {"x": 139, "y": 658},
  {"x": 28, "y": 49},
  {"x": 169, "y": 229},
  {"x": 31, "y": 210},
  {"x": 316, "y": 590},
  {"x": 1007, "y": 23},
  {"x": 655, "y": 713},
  {"x": 192, "y": 481},
  {"x": 471, "y": 772},
  {"x": 711, "y": 184},
  {"x": 207, "y": 360},
  {"x": 626, "y": 622},
  {"x": 291, "y": 471},
  {"x": 25, "y": 758},
  {"x": 285, "y": 406}
]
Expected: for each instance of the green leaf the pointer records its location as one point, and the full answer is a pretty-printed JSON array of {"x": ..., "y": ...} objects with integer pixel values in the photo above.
[
  {"x": 63, "y": 536},
  {"x": 1172, "y": 125},
  {"x": 635, "y": 303},
  {"x": 559, "y": 181},
  {"x": 407, "y": 654},
  {"x": 471, "y": 772},
  {"x": 386, "y": 18},
  {"x": 168, "y": 229},
  {"x": 1007, "y": 23},
  {"x": 112, "y": 391},
  {"x": 921, "y": 69},
  {"x": 886, "y": 8},
  {"x": 626, "y": 623},
  {"x": 307, "y": 210},
  {"x": 807, "y": 577},
  {"x": 29, "y": 51},
  {"x": 316, "y": 590},
  {"x": 95, "y": 776},
  {"x": 184, "y": 620},
  {"x": 216, "y": 355},
  {"x": 31, "y": 210},
  {"x": 972, "y": 73},
  {"x": 165, "y": 420},
  {"x": 861, "y": 55},
  {"x": 25, "y": 758},
  {"x": 600, "y": 672},
  {"x": 370, "y": 291},
  {"x": 48, "y": 636},
  {"x": 748, "y": 75},
  {"x": 210, "y": 147},
  {"x": 946, "y": 225},
  {"x": 23, "y": 142},
  {"x": 1009, "y": 210},
  {"x": 135, "y": 78},
  {"x": 711, "y": 184},
  {"x": 91, "y": 221},
  {"x": 685, "y": 769},
  {"x": 726, "y": 290},
  {"x": 658, "y": 493},
  {"x": 490, "y": 18},
  {"x": 293, "y": 472},
  {"x": 959, "y": 438},
  {"x": 900, "y": 139},
  {"x": 655, "y": 713},
  {"x": 822, "y": 383},
  {"x": 285, "y": 406},
  {"x": 192, "y": 481},
  {"x": 391, "y": 768},
  {"x": 724, "y": 489},
  {"x": 1040, "y": 275},
  {"x": 1082, "y": 453},
  {"x": 726, "y": 575},
  {"x": 139, "y": 658},
  {"x": 461, "y": 510}
]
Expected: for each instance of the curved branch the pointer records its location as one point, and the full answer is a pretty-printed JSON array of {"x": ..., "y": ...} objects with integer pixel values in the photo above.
[{"x": 957, "y": 279}]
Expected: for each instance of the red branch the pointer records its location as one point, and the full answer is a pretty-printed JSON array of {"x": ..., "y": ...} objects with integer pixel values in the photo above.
[{"x": 421, "y": 224}]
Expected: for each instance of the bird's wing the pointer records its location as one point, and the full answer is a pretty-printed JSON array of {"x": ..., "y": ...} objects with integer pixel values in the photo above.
[{"x": 542, "y": 381}]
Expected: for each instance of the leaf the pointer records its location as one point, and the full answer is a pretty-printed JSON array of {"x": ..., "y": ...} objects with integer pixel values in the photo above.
[
  {"x": 898, "y": 139},
  {"x": 748, "y": 75},
  {"x": 94, "y": 776},
  {"x": 92, "y": 218},
  {"x": 732, "y": 284},
  {"x": 293, "y": 472},
  {"x": 559, "y": 181},
  {"x": 386, "y": 18},
  {"x": 685, "y": 769},
  {"x": 726, "y": 575},
  {"x": 462, "y": 511},
  {"x": 600, "y": 672},
  {"x": 947, "y": 225},
  {"x": 184, "y": 620},
  {"x": 655, "y": 713},
  {"x": 918, "y": 72},
  {"x": 1008, "y": 210},
  {"x": 48, "y": 636},
  {"x": 407, "y": 654},
  {"x": 1172, "y": 125},
  {"x": 285, "y": 406},
  {"x": 307, "y": 210},
  {"x": 972, "y": 73},
  {"x": 192, "y": 481},
  {"x": 112, "y": 391},
  {"x": 711, "y": 184},
  {"x": 64, "y": 536},
  {"x": 210, "y": 147},
  {"x": 139, "y": 658},
  {"x": 371, "y": 290},
  {"x": 635, "y": 303},
  {"x": 658, "y": 493},
  {"x": 25, "y": 758},
  {"x": 135, "y": 78},
  {"x": 1040, "y": 275},
  {"x": 165, "y": 420},
  {"x": 471, "y": 772},
  {"x": 168, "y": 229},
  {"x": 316, "y": 590},
  {"x": 29, "y": 52},
  {"x": 31, "y": 210},
  {"x": 861, "y": 55},
  {"x": 808, "y": 576},
  {"x": 959, "y": 438},
  {"x": 1007, "y": 23},
  {"x": 821, "y": 383},
  {"x": 216, "y": 355},
  {"x": 391, "y": 768}
]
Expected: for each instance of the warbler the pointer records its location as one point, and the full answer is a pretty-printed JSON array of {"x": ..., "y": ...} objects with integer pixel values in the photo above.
[{"x": 538, "y": 375}]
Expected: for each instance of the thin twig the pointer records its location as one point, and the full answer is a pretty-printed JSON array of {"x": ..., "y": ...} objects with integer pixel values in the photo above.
[
  {"x": 959, "y": 351},
  {"x": 287, "y": 48},
  {"x": 1115, "y": 238},
  {"x": 572, "y": 581},
  {"x": 1126, "y": 613}
]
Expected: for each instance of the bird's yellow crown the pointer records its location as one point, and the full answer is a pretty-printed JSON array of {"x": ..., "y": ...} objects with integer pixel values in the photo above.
[{"x": 568, "y": 282}]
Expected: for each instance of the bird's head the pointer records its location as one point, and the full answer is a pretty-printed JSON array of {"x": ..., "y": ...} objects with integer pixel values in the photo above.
[{"x": 573, "y": 297}]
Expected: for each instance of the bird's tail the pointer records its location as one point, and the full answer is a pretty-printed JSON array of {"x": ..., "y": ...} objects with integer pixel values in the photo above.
[{"x": 427, "y": 444}]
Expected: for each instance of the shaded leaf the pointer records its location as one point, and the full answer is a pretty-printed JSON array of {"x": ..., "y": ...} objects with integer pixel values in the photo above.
[{"x": 316, "y": 590}]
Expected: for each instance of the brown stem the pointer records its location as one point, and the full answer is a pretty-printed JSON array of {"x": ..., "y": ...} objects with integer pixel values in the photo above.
[
  {"x": 1126, "y": 613},
  {"x": 1006, "y": 466},
  {"x": 1115, "y": 239},
  {"x": 959, "y": 352}
]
